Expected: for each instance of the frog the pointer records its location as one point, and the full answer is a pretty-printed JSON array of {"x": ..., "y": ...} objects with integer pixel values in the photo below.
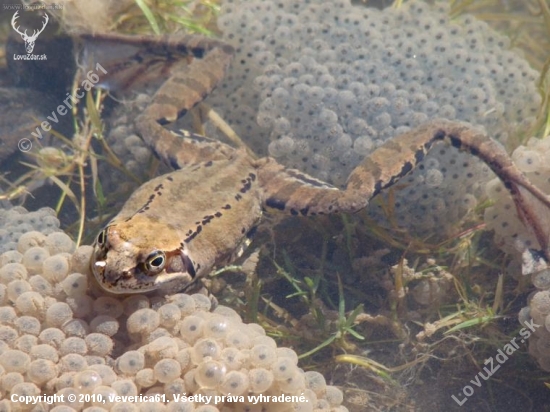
[{"x": 177, "y": 227}]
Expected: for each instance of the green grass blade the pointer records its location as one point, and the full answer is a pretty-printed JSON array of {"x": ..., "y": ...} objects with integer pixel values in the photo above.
[{"x": 147, "y": 12}]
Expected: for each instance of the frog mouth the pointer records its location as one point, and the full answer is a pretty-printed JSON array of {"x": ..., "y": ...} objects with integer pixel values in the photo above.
[
  {"x": 98, "y": 269},
  {"x": 134, "y": 281},
  {"x": 127, "y": 281}
]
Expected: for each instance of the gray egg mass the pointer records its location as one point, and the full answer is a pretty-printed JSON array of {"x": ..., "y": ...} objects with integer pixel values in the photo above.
[{"x": 319, "y": 85}]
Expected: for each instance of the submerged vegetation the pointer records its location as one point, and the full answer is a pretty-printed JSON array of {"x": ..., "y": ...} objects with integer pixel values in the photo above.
[{"x": 306, "y": 300}]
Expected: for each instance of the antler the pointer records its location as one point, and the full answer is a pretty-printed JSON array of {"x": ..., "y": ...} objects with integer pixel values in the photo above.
[
  {"x": 13, "y": 19},
  {"x": 36, "y": 33}
]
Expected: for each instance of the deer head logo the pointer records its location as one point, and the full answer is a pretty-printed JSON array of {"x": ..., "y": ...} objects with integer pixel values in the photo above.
[{"x": 29, "y": 40}]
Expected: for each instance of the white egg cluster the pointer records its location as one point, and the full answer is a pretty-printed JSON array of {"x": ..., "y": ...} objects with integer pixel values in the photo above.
[
  {"x": 320, "y": 85},
  {"x": 16, "y": 221},
  {"x": 60, "y": 334},
  {"x": 511, "y": 234},
  {"x": 126, "y": 145},
  {"x": 536, "y": 316}
]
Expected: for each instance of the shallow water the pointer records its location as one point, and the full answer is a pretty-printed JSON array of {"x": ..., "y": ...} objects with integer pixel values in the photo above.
[{"x": 442, "y": 221}]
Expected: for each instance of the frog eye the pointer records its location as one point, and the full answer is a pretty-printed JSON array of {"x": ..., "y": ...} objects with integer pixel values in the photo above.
[
  {"x": 155, "y": 261},
  {"x": 102, "y": 238}
]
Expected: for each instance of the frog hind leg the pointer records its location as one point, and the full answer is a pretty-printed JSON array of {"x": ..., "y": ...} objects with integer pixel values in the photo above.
[
  {"x": 192, "y": 66},
  {"x": 298, "y": 194},
  {"x": 188, "y": 86}
]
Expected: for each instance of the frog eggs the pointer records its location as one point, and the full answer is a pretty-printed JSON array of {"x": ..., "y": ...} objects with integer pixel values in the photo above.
[{"x": 59, "y": 336}]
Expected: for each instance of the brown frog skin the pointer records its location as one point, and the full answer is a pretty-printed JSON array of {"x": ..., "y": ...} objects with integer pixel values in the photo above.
[{"x": 177, "y": 227}]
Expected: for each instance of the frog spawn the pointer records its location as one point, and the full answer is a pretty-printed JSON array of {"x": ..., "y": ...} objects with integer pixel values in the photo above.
[
  {"x": 535, "y": 318},
  {"x": 316, "y": 103},
  {"x": 58, "y": 335},
  {"x": 320, "y": 87},
  {"x": 511, "y": 235},
  {"x": 16, "y": 221},
  {"x": 533, "y": 159}
]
